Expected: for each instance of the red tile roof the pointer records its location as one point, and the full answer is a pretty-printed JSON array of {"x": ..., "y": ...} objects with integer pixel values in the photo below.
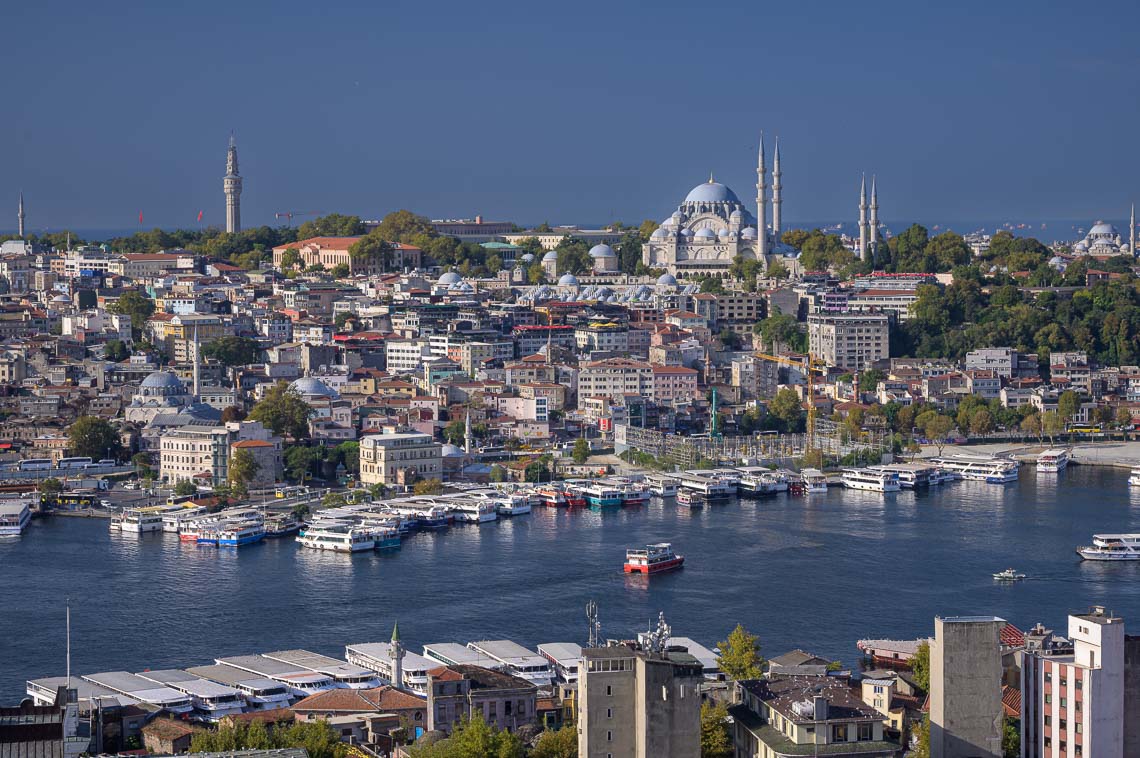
[
  {"x": 1011, "y": 636},
  {"x": 359, "y": 701},
  {"x": 1011, "y": 701}
]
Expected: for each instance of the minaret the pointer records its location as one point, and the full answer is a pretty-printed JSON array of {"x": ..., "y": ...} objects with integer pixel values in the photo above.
[
  {"x": 232, "y": 186},
  {"x": 777, "y": 215},
  {"x": 1132, "y": 231},
  {"x": 467, "y": 434},
  {"x": 197, "y": 366},
  {"x": 396, "y": 654},
  {"x": 761, "y": 205},
  {"x": 874, "y": 219},
  {"x": 20, "y": 215},
  {"x": 863, "y": 249}
]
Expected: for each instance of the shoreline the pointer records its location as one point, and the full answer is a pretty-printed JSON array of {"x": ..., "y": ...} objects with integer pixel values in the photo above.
[{"x": 1110, "y": 454}]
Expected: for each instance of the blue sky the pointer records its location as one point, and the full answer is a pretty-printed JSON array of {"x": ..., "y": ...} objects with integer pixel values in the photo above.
[{"x": 584, "y": 111}]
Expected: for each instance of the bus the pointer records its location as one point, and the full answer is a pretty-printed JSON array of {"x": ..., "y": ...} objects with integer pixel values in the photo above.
[
  {"x": 176, "y": 499},
  {"x": 284, "y": 492},
  {"x": 73, "y": 500},
  {"x": 35, "y": 464},
  {"x": 73, "y": 463}
]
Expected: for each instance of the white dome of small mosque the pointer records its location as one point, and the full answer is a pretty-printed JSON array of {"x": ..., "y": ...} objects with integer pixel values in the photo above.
[
  {"x": 711, "y": 192},
  {"x": 677, "y": 218},
  {"x": 450, "y": 278},
  {"x": 1102, "y": 228},
  {"x": 568, "y": 280},
  {"x": 705, "y": 234},
  {"x": 602, "y": 251},
  {"x": 666, "y": 280},
  {"x": 749, "y": 233},
  {"x": 308, "y": 386},
  {"x": 528, "y": 258},
  {"x": 658, "y": 233},
  {"x": 62, "y": 299},
  {"x": 724, "y": 234},
  {"x": 551, "y": 257},
  {"x": 452, "y": 451}
]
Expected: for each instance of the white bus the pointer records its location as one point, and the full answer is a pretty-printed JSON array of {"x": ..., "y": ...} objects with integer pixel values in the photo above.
[
  {"x": 35, "y": 464},
  {"x": 73, "y": 463}
]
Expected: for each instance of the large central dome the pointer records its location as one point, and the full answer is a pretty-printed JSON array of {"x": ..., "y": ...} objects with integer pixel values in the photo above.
[{"x": 711, "y": 192}]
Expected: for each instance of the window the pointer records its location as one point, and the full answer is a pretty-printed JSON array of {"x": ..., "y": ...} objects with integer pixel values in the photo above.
[
  {"x": 866, "y": 732},
  {"x": 1077, "y": 750},
  {"x": 1048, "y": 720},
  {"x": 1048, "y": 698},
  {"x": 609, "y": 713},
  {"x": 1064, "y": 682},
  {"x": 1064, "y": 725},
  {"x": 1078, "y": 683},
  {"x": 1048, "y": 677},
  {"x": 839, "y": 733},
  {"x": 1063, "y": 703},
  {"x": 1048, "y": 741},
  {"x": 609, "y": 736},
  {"x": 1064, "y": 746},
  {"x": 609, "y": 690}
]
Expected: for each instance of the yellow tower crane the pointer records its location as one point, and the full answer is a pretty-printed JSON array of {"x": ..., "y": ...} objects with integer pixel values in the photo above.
[{"x": 812, "y": 366}]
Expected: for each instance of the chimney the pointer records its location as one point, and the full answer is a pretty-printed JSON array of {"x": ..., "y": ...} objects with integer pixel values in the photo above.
[{"x": 820, "y": 708}]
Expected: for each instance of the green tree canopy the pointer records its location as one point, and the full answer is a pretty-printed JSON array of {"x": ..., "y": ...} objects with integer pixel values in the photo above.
[
  {"x": 185, "y": 488},
  {"x": 716, "y": 740},
  {"x": 232, "y": 350},
  {"x": 284, "y": 412},
  {"x": 581, "y": 451},
  {"x": 115, "y": 351},
  {"x": 556, "y": 744},
  {"x": 332, "y": 225},
  {"x": 242, "y": 471},
  {"x": 94, "y": 437},
  {"x": 740, "y": 655},
  {"x": 788, "y": 410},
  {"x": 472, "y": 739},
  {"x": 318, "y": 738},
  {"x": 135, "y": 304},
  {"x": 573, "y": 256},
  {"x": 372, "y": 250}
]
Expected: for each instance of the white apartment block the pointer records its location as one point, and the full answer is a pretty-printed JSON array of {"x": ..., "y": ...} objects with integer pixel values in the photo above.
[
  {"x": 405, "y": 356},
  {"x": 613, "y": 377},
  {"x": 849, "y": 341},
  {"x": 399, "y": 458}
]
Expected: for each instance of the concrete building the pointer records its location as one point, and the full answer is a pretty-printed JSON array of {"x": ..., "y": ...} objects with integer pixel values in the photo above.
[
  {"x": 1006, "y": 362},
  {"x": 638, "y": 704},
  {"x": 399, "y": 458},
  {"x": 613, "y": 377},
  {"x": 674, "y": 384},
  {"x": 1073, "y": 700},
  {"x": 965, "y": 687},
  {"x": 849, "y": 341},
  {"x": 461, "y": 691},
  {"x": 201, "y": 452}
]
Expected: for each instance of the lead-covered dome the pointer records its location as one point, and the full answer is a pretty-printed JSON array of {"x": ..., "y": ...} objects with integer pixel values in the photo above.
[
  {"x": 711, "y": 192},
  {"x": 308, "y": 386},
  {"x": 568, "y": 280},
  {"x": 162, "y": 380},
  {"x": 450, "y": 278},
  {"x": 602, "y": 251}
]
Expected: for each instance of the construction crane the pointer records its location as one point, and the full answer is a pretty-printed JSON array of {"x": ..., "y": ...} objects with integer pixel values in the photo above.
[
  {"x": 289, "y": 215},
  {"x": 811, "y": 367}
]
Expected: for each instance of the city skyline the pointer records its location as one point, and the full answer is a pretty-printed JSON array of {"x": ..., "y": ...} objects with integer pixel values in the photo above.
[{"x": 597, "y": 121}]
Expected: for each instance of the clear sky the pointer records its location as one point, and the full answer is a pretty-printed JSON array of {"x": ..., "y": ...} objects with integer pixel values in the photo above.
[{"x": 569, "y": 112}]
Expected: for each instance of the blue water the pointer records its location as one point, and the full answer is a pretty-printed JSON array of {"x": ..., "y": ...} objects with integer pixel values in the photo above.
[{"x": 817, "y": 573}]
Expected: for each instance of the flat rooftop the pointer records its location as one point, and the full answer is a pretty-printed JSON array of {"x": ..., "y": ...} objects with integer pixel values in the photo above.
[
  {"x": 190, "y": 684},
  {"x": 452, "y": 653},
  {"x": 566, "y": 653},
  {"x": 86, "y": 690},
  {"x": 508, "y": 652},
  {"x": 234, "y": 677},
  {"x": 379, "y": 651},
  {"x": 136, "y": 687},
  {"x": 320, "y": 663}
]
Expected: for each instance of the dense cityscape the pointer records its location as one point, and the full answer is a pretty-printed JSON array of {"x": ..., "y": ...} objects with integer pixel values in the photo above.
[{"x": 420, "y": 482}]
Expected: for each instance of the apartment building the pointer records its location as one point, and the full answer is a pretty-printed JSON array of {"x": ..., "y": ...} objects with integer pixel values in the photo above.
[
  {"x": 638, "y": 704},
  {"x": 965, "y": 687},
  {"x": 1006, "y": 362},
  {"x": 613, "y": 377},
  {"x": 849, "y": 341},
  {"x": 674, "y": 384},
  {"x": 459, "y": 692},
  {"x": 1071, "y": 370},
  {"x": 1073, "y": 698},
  {"x": 399, "y": 458},
  {"x": 201, "y": 452},
  {"x": 405, "y": 356}
]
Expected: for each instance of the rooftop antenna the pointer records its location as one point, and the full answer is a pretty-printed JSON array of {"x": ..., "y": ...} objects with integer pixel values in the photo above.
[{"x": 594, "y": 625}]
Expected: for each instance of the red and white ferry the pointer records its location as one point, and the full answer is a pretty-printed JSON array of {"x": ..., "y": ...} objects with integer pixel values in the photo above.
[{"x": 653, "y": 559}]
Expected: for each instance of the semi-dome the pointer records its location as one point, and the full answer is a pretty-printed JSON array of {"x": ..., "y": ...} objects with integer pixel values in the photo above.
[
  {"x": 551, "y": 257},
  {"x": 711, "y": 192},
  {"x": 724, "y": 234},
  {"x": 749, "y": 233},
  {"x": 568, "y": 280},
  {"x": 736, "y": 217},
  {"x": 686, "y": 232},
  {"x": 677, "y": 218},
  {"x": 162, "y": 380},
  {"x": 602, "y": 251},
  {"x": 451, "y": 451},
  {"x": 705, "y": 234},
  {"x": 308, "y": 386},
  {"x": 666, "y": 280},
  {"x": 450, "y": 278}
]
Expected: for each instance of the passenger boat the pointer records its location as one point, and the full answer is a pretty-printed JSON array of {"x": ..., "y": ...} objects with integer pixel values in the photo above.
[
  {"x": 386, "y": 538},
  {"x": 1134, "y": 478},
  {"x": 238, "y": 535},
  {"x": 14, "y": 518},
  {"x": 761, "y": 483},
  {"x": 654, "y": 559},
  {"x": 172, "y": 521},
  {"x": 635, "y": 494},
  {"x": 601, "y": 495},
  {"x": 282, "y": 525},
  {"x": 338, "y": 538},
  {"x": 714, "y": 488},
  {"x": 1053, "y": 461},
  {"x": 814, "y": 481},
  {"x": 142, "y": 520},
  {"x": 691, "y": 499},
  {"x": 475, "y": 511},
  {"x": 871, "y": 479},
  {"x": 1112, "y": 547},
  {"x": 516, "y": 504},
  {"x": 1009, "y": 575},
  {"x": 552, "y": 497},
  {"x": 978, "y": 468},
  {"x": 662, "y": 486}
]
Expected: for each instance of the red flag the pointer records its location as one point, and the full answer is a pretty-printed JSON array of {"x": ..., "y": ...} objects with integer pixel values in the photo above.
[
  {"x": 199, "y": 216},
  {"x": 140, "y": 217}
]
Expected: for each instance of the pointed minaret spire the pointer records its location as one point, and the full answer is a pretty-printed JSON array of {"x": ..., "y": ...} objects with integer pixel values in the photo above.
[
  {"x": 1132, "y": 231},
  {"x": 20, "y": 215},
  {"x": 467, "y": 436},
  {"x": 874, "y": 219},
  {"x": 761, "y": 205},
  {"x": 231, "y": 185},
  {"x": 777, "y": 195},
  {"x": 396, "y": 655},
  {"x": 864, "y": 250}
]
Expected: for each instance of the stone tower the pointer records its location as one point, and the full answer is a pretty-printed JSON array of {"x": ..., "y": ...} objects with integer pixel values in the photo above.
[
  {"x": 777, "y": 194},
  {"x": 761, "y": 205},
  {"x": 874, "y": 219},
  {"x": 864, "y": 250},
  {"x": 396, "y": 653},
  {"x": 20, "y": 216},
  {"x": 232, "y": 186}
]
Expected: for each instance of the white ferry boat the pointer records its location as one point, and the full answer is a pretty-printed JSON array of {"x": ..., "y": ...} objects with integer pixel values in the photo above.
[
  {"x": 760, "y": 483},
  {"x": 814, "y": 481},
  {"x": 239, "y": 535},
  {"x": 872, "y": 479},
  {"x": 980, "y": 468},
  {"x": 661, "y": 485},
  {"x": 474, "y": 511},
  {"x": 1112, "y": 547},
  {"x": 653, "y": 559},
  {"x": 1053, "y": 461},
  {"x": 14, "y": 518},
  {"x": 142, "y": 520},
  {"x": 691, "y": 499},
  {"x": 600, "y": 495},
  {"x": 1134, "y": 477},
  {"x": 516, "y": 504},
  {"x": 712, "y": 487},
  {"x": 338, "y": 538},
  {"x": 173, "y": 520}
]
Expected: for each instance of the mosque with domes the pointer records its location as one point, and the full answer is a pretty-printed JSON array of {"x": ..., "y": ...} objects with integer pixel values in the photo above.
[
  {"x": 1104, "y": 241},
  {"x": 711, "y": 227}
]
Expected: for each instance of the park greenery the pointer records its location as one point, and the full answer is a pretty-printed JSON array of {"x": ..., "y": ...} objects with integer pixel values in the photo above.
[
  {"x": 318, "y": 738},
  {"x": 470, "y": 738}
]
